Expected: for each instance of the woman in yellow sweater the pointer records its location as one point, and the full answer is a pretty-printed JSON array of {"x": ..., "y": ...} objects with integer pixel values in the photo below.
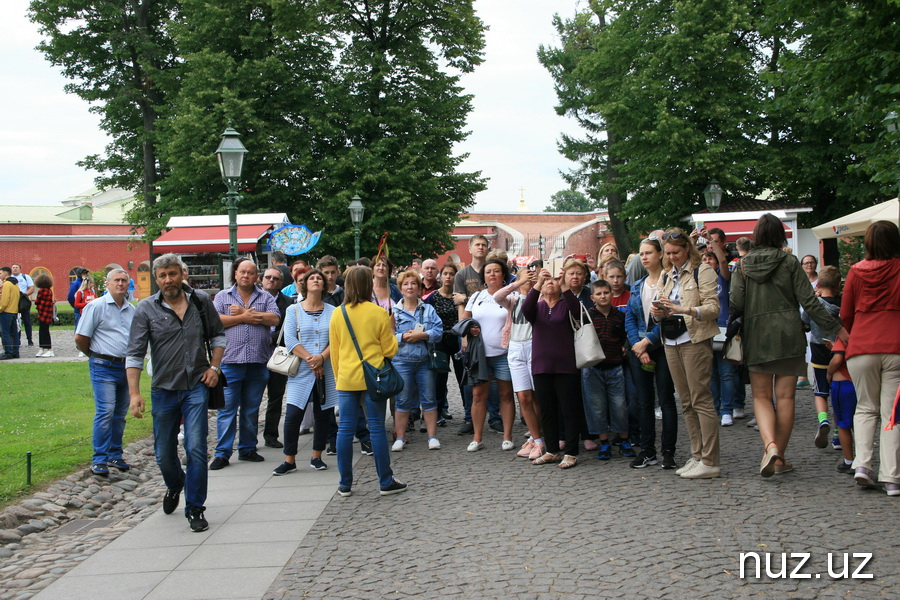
[{"x": 372, "y": 327}]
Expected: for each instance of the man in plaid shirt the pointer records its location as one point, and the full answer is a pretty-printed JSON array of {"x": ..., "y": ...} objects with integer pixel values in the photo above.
[{"x": 248, "y": 315}]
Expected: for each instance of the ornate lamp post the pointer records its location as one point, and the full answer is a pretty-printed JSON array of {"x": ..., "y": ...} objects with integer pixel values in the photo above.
[
  {"x": 230, "y": 155},
  {"x": 713, "y": 195},
  {"x": 356, "y": 216}
]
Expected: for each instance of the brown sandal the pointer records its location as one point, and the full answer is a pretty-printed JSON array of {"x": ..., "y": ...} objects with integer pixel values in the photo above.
[
  {"x": 767, "y": 467},
  {"x": 568, "y": 462},
  {"x": 547, "y": 458}
]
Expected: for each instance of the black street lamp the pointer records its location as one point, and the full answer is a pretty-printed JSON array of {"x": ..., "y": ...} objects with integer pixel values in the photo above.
[
  {"x": 713, "y": 195},
  {"x": 230, "y": 155},
  {"x": 356, "y": 216}
]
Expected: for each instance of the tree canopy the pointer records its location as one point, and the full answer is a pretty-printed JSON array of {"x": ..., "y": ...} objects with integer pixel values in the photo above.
[
  {"x": 569, "y": 201},
  {"x": 333, "y": 98},
  {"x": 781, "y": 96}
]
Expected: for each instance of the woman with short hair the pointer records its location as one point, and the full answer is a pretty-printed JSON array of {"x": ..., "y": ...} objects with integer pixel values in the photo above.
[
  {"x": 767, "y": 288},
  {"x": 312, "y": 389},
  {"x": 870, "y": 310},
  {"x": 372, "y": 328}
]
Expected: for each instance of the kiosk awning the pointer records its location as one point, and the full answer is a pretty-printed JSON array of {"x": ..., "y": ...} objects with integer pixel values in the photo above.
[{"x": 213, "y": 238}]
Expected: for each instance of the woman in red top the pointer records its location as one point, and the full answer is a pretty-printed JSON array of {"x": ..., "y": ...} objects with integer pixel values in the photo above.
[
  {"x": 85, "y": 294},
  {"x": 870, "y": 311},
  {"x": 44, "y": 304}
]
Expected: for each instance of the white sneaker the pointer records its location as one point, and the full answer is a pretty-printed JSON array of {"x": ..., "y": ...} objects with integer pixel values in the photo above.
[
  {"x": 658, "y": 413},
  {"x": 82, "y": 355},
  {"x": 727, "y": 421},
  {"x": 399, "y": 443},
  {"x": 507, "y": 445},
  {"x": 687, "y": 466},
  {"x": 40, "y": 353},
  {"x": 701, "y": 471},
  {"x": 48, "y": 354},
  {"x": 434, "y": 444},
  {"x": 738, "y": 413},
  {"x": 475, "y": 446}
]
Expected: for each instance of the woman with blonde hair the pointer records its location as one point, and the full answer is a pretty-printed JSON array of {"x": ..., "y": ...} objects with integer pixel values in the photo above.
[
  {"x": 371, "y": 328},
  {"x": 687, "y": 309}
]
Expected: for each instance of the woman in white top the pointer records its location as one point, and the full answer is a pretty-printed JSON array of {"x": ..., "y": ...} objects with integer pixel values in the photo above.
[
  {"x": 491, "y": 317},
  {"x": 518, "y": 333}
]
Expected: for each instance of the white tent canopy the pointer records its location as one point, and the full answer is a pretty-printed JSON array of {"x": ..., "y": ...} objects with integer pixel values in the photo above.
[{"x": 857, "y": 223}]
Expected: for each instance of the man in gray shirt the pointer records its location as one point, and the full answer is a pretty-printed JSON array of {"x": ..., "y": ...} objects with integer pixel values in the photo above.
[{"x": 172, "y": 323}]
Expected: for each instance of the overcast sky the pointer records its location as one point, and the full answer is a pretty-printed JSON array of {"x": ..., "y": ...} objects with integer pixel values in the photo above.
[{"x": 44, "y": 131}]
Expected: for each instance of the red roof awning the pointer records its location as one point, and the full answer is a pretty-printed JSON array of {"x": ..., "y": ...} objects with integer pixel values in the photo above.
[
  {"x": 735, "y": 229},
  {"x": 201, "y": 240}
]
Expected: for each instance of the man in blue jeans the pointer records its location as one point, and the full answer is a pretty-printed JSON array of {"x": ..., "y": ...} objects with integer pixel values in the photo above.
[
  {"x": 171, "y": 321},
  {"x": 248, "y": 315},
  {"x": 102, "y": 334}
]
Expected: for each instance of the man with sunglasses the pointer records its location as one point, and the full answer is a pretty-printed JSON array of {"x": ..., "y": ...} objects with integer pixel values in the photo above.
[{"x": 272, "y": 282}]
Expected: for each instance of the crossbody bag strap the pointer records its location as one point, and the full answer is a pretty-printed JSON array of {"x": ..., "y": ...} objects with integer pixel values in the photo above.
[
  {"x": 352, "y": 335},
  {"x": 199, "y": 306}
]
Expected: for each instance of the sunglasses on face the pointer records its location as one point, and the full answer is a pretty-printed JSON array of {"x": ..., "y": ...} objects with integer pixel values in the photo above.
[
  {"x": 672, "y": 236},
  {"x": 275, "y": 277}
]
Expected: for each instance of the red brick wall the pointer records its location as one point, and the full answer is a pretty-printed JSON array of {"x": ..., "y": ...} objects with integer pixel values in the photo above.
[{"x": 60, "y": 257}]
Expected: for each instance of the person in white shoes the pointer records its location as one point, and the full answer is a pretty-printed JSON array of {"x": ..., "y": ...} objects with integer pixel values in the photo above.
[
  {"x": 418, "y": 328},
  {"x": 44, "y": 304}
]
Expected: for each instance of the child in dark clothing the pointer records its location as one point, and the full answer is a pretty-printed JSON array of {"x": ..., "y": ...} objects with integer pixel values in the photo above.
[
  {"x": 605, "y": 382},
  {"x": 829, "y": 289}
]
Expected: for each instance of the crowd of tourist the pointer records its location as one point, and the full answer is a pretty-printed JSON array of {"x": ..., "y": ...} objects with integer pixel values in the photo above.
[{"x": 662, "y": 317}]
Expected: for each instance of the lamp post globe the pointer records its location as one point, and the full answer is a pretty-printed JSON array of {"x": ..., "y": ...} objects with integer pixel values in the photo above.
[
  {"x": 712, "y": 194},
  {"x": 356, "y": 216},
  {"x": 230, "y": 155}
]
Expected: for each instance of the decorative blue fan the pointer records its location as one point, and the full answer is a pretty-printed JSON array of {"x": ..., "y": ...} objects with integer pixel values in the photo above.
[{"x": 294, "y": 239}]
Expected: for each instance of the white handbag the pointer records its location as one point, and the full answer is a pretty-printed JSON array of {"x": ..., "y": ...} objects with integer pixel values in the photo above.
[
  {"x": 588, "y": 349},
  {"x": 283, "y": 361}
]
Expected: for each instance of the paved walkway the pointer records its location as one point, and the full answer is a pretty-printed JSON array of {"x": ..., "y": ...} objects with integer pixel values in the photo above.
[{"x": 490, "y": 525}]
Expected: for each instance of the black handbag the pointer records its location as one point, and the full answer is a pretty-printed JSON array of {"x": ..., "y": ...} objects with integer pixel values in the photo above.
[
  {"x": 673, "y": 328},
  {"x": 438, "y": 360},
  {"x": 382, "y": 382}
]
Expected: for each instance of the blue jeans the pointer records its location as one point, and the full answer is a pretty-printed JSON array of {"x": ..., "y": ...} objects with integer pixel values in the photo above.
[
  {"x": 721, "y": 384},
  {"x": 10, "y": 333},
  {"x": 111, "y": 400},
  {"x": 590, "y": 413},
  {"x": 418, "y": 386},
  {"x": 246, "y": 384},
  {"x": 169, "y": 408},
  {"x": 605, "y": 391},
  {"x": 349, "y": 405}
]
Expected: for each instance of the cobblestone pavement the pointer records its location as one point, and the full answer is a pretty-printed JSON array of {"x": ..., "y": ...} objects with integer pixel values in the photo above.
[{"x": 490, "y": 525}]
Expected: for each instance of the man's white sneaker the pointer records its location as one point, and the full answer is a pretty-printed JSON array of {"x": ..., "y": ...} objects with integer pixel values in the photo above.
[
  {"x": 727, "y": 421},
  {"x": 40, "y": 353},
  {"x": 738, "y": 413},
  {"x": 48, "y": 354},
  {"x": 434, "y": 444},
  {"x": 399, "y": 443}
]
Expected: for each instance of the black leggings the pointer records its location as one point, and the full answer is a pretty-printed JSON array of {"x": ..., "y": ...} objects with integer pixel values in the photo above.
[
  {"x": 44, "y": 336},
  {"x": 293, "y": 416},
  {"x": 559, "y": 396}
]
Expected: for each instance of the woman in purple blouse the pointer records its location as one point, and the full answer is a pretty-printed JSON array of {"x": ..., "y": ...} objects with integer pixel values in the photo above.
[{"x": 557, "y": 381}]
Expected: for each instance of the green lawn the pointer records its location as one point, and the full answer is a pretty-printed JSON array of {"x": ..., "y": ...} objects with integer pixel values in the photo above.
[{"x": 48, "y": 408}]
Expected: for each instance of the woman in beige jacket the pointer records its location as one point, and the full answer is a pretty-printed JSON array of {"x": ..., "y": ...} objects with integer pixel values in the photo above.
[{"x": 688, "y": 307}]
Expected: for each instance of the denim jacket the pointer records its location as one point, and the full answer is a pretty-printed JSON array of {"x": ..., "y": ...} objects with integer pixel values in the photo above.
[
  {"x": 434, "y": 327},
  {"x": 635, "y": 326}
]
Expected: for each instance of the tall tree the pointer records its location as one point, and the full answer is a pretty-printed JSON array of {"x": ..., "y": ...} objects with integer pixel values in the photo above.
[
  {"x": 334, "y": 98},
  {"x": 115, "y": 52}
]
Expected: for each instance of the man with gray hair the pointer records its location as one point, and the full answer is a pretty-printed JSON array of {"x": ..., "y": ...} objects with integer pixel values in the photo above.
[
  {"x": 102, "y": 335},
  {"x": 178, "y": 322}
]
